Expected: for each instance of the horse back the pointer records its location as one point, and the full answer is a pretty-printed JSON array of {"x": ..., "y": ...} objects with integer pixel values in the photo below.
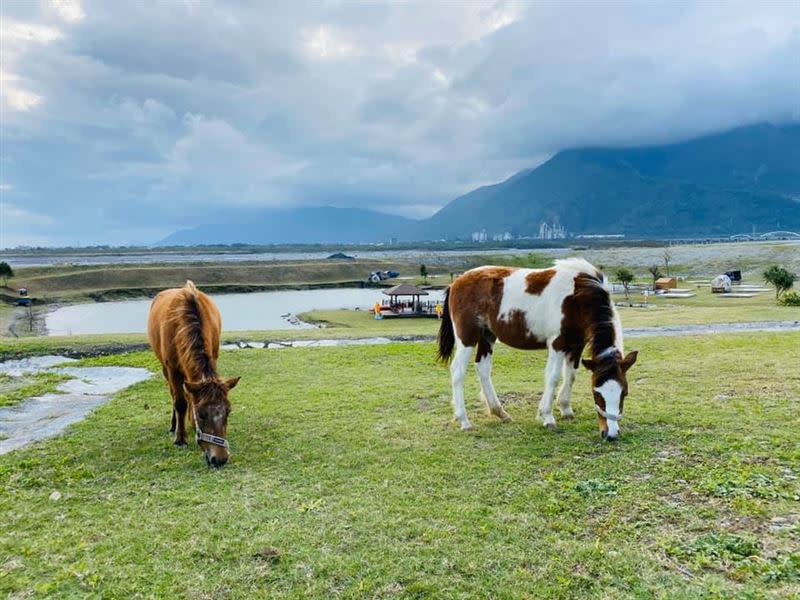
[{"x": 521, "y": 307}]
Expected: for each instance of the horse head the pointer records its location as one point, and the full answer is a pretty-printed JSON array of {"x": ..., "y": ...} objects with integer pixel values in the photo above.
[
  {"x": 610, "y": 386},
  {"x": 210, "y": 409}
]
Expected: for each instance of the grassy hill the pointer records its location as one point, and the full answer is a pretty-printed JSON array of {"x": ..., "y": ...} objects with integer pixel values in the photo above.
[{"x": 348, "y": 481}]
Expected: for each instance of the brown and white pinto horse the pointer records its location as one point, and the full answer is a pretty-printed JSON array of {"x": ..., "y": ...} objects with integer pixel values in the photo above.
[
  {"x": 562, "y": 309},
  {"x": 184, "y": 329}
]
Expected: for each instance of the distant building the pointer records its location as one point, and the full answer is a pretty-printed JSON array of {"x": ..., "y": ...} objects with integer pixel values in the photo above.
[
  {"x": 479, "y": 236},
  {"x": 502, "y": 237},
  {"x": 552, "y": 232}
]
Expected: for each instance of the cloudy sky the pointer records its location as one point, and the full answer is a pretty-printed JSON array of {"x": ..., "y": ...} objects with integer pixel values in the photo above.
[{"x": 124, "y": 121}]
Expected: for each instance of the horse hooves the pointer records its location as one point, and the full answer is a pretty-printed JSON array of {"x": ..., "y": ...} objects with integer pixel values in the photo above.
[
  {"x": 506, "y": 418},
  {"x": 550, "y": 426},
  {"x": 180, "y": 443},
  {"x": 568, "y": 416},
  {"x": 467, "y": 427}
]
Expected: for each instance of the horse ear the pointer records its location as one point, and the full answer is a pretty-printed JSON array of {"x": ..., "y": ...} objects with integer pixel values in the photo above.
[
  {"x": 231, "y": 383},
  {"x": 629, "y": 360},
  {"x": 588, "y": 363},
  {"x": 192, "y": 387}
]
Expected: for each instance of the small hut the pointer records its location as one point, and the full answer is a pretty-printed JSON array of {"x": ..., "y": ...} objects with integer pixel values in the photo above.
[
  {"x": 666, "y": 283},
  {"x": 404, "y": 300}
]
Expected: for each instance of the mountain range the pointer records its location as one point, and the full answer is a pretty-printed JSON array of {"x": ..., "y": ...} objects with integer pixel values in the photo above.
[{"x": 721, "y": 184}]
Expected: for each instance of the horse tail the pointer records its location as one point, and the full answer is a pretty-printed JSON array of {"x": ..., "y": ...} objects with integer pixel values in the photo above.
[{"x": 447, "y": 337}]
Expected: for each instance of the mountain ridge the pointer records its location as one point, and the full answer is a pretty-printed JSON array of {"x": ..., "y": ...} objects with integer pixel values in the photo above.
[{"x": 719, "y": 184}]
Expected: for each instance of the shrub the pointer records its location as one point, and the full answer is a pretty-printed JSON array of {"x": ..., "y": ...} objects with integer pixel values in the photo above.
[
  {"x": 781, "y": 278},
  {"x": 789, "y": 299},
  {"x": 5, "y": 272},
  {"x": 624, "y": 276}
]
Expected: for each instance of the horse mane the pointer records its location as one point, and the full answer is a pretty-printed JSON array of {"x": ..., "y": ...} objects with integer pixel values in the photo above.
[
  {"x": 597, "y": 308},
  {"x": 189, "y": 340}
]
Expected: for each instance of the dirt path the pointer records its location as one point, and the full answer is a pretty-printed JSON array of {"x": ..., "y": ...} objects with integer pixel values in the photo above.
[{"x": 663, "y": 330}]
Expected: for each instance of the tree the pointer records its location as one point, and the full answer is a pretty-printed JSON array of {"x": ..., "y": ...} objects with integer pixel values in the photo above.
[
  {"x": 780, "y": 278},
  {"x": 5, "y": 272},
  {"x": 423, "y": 272},
  {"x": 667, "y": 258},
  {"x": 624, "y": 276},
  {"x": 655, "y": 271}
]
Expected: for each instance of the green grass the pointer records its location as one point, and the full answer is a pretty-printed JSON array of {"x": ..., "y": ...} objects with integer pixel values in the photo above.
[
  {"x": 15, "y": 389},
  {"x": 705, "y": 308},
  {"x": 348, "y": 479}
]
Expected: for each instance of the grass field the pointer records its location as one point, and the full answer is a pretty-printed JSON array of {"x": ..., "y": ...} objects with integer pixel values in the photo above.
[{"x": 349, "y": 480}]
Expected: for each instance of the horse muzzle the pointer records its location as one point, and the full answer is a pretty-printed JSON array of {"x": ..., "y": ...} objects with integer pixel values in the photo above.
[{"x": 215, "y": 461}]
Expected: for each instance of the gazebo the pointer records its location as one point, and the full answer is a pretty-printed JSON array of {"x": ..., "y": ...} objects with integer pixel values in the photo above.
[{"x": 400, "y": 306}]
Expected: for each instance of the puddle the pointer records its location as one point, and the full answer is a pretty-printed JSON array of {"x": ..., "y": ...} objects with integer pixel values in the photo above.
[
  {"x": 34, "y": 364},
  {"x": 373, "y": 341},
  {"x": 44, "y": 416}
]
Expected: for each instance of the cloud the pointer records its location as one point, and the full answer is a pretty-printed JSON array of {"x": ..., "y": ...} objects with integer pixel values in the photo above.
[
  {"x": 69, "y": 10},
  {"x": 146, "y": 117}
]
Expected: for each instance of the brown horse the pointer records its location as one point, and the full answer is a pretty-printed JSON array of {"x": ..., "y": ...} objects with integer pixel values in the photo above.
[{"x": 184, "y": 330}]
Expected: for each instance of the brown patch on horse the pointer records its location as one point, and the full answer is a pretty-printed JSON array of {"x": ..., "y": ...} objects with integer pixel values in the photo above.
[
  {"x": 513, "y": 331},
  {"x": 538, "y": 280},
  {"x": 474, "y": 297}
]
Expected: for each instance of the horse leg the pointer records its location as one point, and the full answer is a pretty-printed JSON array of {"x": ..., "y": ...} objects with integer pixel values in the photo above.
[
  {"x": 552, "y": 372},
  {"x": 565, "y": 393},
  {"x": 179, "y": 407},
  {"x": 172, "y": 394},
  {"x": 458, "y": 370},
  {"x": 483, "y": 365}
]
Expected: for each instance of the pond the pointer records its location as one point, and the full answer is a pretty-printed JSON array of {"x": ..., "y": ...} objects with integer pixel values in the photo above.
[{"x": 253, "y": 311}]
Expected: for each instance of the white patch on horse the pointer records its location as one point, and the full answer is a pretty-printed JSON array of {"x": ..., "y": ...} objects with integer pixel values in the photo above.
[
  {"x": 542, "y": 312},
  {"x": 611, "y": 391}
]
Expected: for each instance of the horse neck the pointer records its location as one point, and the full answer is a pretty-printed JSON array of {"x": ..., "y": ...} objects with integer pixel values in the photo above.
[
  {"x": 201, "y": 367},
  {"x": 602, "y": 325},
  {"x": 193, "y": 349},
  {"x": 603, "y": 337}
]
